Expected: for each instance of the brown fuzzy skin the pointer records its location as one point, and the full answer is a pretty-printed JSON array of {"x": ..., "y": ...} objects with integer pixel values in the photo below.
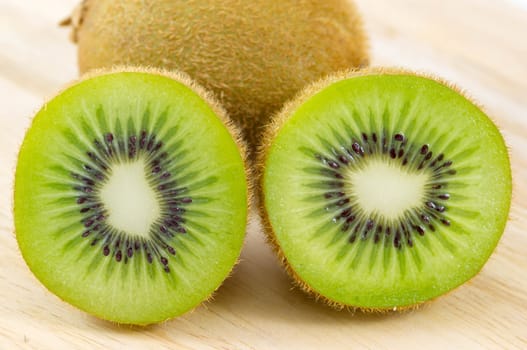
[
  {"x": 218, "y": 110},
  {"x": 268, "y": 136},
  {"x": 254, "y": 55}
]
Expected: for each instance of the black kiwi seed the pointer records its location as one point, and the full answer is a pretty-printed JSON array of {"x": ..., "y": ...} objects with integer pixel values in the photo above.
[
  {"x": 92, "y": 173},
  {"x": 419, "y": 157}
]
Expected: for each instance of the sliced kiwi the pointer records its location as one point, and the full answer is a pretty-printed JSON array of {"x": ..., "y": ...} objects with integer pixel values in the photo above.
[
  {"x": 383, "y": 189},
  {"x": 254, "y": 55},
  {"x": 131, "y": 196}
]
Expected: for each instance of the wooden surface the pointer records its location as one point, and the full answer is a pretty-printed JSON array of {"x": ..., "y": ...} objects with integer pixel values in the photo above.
[{"x": 479, "y": 44}]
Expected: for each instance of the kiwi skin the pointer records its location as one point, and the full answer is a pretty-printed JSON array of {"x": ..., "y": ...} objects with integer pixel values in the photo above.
[
  {"x": 219, "y": 112},
  {"x": 253, "y": 55},
  {"x": 268, "y": 136}
]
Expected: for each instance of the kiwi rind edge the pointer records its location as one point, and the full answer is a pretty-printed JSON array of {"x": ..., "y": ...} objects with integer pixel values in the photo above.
[{"x": 269, "y": 134}]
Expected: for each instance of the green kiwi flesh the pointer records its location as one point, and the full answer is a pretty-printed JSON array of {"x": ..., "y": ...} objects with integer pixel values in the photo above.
[
  {"x": 130, "y": 197},
  {"x": 383, "y": 189}
]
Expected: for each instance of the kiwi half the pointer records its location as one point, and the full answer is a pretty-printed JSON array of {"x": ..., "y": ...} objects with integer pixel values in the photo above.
[
  {"x": 383, "y": 189},
  {"x": 254, "y": 55},
  {"x": 130, "y": 195}
]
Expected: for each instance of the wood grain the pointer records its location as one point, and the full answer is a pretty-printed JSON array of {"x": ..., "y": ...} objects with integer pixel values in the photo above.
[{"x": 480, "y": 45}]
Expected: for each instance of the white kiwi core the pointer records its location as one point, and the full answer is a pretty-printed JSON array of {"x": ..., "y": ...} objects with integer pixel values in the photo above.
[
  {"x": 383, "y": 187},
  {"x": 129, "y": 199}
]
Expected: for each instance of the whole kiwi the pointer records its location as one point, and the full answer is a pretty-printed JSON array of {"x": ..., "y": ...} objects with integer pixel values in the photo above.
[{"x": 254, "y": 55}]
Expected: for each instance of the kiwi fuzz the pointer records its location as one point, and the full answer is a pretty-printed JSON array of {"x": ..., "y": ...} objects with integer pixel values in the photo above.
[
  {"x": 252, "y": 69},
  {"x": 120, "y": 136},
  {"x": 269, "y": 136}
]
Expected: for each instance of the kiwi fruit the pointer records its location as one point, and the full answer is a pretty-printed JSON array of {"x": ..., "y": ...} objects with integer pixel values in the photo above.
[
  {"x": 383, "y": 189},
  {"x": 130, "y": 197},
  {"x": 254, "y": 55}
]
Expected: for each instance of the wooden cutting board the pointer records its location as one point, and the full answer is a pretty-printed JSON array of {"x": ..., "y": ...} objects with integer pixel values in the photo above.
[{"x": 479, "y": 44}]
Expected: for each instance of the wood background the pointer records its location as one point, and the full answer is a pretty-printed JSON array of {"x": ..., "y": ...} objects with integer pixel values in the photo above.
[{"x": 479, "y": 44}]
